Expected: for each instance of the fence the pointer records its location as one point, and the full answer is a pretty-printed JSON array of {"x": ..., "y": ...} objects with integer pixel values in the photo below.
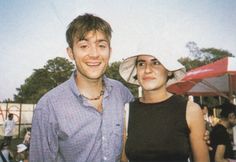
[{"x": 23, "y": 114}]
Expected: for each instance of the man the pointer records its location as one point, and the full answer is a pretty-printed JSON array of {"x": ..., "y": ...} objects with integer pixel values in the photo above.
[
  {"x": 82, "y": 119},
  {"x": 26, "y": 140},
  {"x": 9, "y": 126},
  {"x": 220, "y": 138}
]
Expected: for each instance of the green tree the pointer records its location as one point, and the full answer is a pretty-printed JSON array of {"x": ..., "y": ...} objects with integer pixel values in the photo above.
[
  {"x": 217, "y": 53},
  {"x": 42, "y": 80},
  {"x": 199, "y": 57},
  {"x": 113, "y": 72}
]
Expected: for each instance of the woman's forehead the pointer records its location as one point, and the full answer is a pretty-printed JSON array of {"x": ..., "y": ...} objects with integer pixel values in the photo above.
[{"x": 146, "y": 58}]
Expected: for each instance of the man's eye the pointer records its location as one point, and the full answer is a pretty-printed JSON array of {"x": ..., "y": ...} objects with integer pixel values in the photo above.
[
  {"x": 83, "y": 46},
  {"x": 102, "y": 46}
]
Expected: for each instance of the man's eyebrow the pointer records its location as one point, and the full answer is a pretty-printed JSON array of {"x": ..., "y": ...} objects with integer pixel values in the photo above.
[
  {"x": 102, "y": 40},
  {"x": 97, "y": 41}
]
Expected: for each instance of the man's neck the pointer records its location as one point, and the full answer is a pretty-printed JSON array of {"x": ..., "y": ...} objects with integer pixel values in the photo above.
[
  {"x": 224, "y": 123},
  {"x": 89, "y": 87}
]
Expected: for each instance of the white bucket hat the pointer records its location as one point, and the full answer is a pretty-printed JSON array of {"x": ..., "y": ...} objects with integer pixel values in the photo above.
[
  {"x": 166, "y": 57},
  {"x": 21, "y": 148}
]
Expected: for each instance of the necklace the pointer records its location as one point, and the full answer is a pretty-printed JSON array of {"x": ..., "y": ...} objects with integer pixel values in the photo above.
[{"x": 95, "y": 98}]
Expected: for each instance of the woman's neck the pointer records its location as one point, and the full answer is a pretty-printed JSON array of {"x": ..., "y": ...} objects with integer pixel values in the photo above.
[{"x": 154, "y": 96}]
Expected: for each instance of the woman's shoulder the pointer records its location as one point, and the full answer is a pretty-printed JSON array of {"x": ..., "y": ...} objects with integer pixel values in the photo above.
[{"x": 194, "y": 113}]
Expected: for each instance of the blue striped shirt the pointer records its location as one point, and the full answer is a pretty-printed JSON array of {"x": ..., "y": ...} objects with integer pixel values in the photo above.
[{"x": 66, "y": 128}]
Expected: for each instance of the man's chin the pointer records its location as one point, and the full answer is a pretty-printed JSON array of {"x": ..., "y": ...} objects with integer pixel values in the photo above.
[{"x": 95, "y": 76}]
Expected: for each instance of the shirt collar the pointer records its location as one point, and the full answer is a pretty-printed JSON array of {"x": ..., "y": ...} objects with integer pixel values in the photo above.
[{"x": 76, "y": 92}]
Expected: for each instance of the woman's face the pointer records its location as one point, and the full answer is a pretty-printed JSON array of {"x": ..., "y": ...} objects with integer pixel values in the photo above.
[{"x": 151, "y": 74}]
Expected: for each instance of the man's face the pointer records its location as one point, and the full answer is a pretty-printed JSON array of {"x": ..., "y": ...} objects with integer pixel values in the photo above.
[
  {"x": 205, "y": 110},
  {"x": 232, "y": 119},
  {"x": 91, "y": 55},
  {"x": 10, "y": 117}
]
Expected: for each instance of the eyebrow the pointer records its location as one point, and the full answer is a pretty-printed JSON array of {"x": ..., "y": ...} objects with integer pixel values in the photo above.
[
  {"x": 97, "y": 41},
  {"x": 141, "y": 60}
]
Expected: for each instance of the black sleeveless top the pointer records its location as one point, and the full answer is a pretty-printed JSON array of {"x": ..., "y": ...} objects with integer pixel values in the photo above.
[{"x": 158, "y": 131}]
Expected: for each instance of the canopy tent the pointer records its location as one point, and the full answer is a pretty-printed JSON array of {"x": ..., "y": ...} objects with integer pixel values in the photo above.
[{"x": 217, "y": 78}]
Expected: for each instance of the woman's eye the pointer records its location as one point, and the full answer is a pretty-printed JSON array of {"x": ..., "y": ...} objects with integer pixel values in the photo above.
[
  {"x": 140, "y": 64},
  {"x": 156, "y": 63}
]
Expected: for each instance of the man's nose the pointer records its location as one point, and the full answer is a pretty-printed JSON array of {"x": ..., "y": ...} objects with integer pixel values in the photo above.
[{"x": 93, "y": 51}]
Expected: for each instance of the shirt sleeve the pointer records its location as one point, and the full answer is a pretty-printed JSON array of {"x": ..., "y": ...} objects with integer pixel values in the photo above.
[
  {"x": 220, "y": 137},
  {"x": 5, "y": 124},
  {"x": 127, "y": 95},
  {"x": 44, "y": 139}
]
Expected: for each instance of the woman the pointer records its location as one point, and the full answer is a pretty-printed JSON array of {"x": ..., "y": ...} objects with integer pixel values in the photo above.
[
  {"x": 162, "y": 126},
  {"x": 6, "y": 154}
]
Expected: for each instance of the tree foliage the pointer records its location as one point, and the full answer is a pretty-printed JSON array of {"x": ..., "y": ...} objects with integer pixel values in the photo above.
[
  {"x": 113, "y": 72},
  {"x": 199, "y": 57},
  {"x": 42, "y": 80}
]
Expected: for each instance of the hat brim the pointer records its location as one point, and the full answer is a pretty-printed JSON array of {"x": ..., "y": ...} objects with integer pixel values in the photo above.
[
  {"x": 128, "y": 69},
  {"x": 21, "y": 148}
]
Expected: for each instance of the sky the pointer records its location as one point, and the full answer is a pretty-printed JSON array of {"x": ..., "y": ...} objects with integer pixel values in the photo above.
[{"x": 32, "y": 32}]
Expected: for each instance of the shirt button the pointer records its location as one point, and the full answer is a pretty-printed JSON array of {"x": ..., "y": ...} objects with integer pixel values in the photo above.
[
  {"x": 104, "y": 158},
  {"x": 103, "y": 138}
]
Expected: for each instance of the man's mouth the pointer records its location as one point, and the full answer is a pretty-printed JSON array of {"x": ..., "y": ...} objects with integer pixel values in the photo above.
[{"x": 93, "y": 63}]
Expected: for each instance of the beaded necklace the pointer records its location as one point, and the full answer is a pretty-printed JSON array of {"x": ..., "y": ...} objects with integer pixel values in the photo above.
[{"x": 95, "y": 98}]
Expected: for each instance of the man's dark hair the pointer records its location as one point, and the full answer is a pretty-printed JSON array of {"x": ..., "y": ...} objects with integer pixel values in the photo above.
[
  {"x": 227, "y": 108},
  {"x": 83, "y": 24},
  {"x": 10, "y": 116}
]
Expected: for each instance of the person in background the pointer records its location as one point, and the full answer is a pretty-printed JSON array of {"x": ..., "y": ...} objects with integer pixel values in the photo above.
[
  {"x": 220, "y": 138},
  {"x": 6, "y": 154},
  {"x": 26, "y": 140},
  {"x": 22, "y": 154},
  {"x": 81, "y": 120},
  {"x": 206, "y": 117},
  {"x": 9, "y": 126},
  {"x": 162, "y": 127}
]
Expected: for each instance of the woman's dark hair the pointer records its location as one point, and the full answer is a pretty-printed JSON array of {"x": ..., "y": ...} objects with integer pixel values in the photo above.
[{"x": 3, "y": 144}]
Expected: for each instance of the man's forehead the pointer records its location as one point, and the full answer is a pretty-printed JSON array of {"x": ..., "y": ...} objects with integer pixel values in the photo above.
[{"x": 94, "y": 37}]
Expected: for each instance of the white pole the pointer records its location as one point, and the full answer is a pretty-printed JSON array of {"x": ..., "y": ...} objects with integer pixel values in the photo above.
[{"x": 139, "y": 91}]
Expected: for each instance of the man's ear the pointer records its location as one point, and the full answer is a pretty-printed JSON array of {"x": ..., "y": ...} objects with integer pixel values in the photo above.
[
  {"x": 110, "y": 52},
  {"x": 70, "y": 53}
]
